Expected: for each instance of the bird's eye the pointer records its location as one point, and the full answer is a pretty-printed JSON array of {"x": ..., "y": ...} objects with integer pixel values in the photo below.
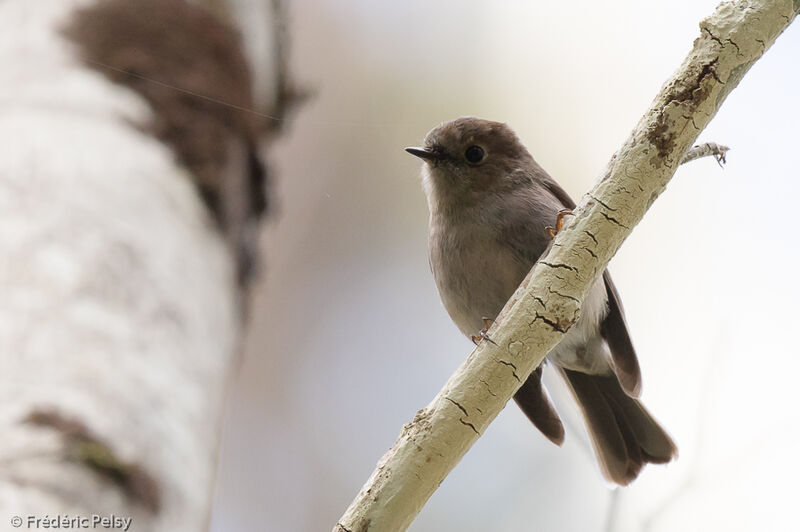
[{"x": 474, "y": 154}]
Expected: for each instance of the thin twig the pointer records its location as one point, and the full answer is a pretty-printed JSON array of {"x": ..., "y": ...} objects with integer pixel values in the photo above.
[
  {"x": 288, "y": 96},
  {"x": 705, "y": 150}
]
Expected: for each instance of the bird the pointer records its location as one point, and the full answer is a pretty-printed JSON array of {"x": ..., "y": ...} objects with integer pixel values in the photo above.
[{"x": 490, "y": 210}]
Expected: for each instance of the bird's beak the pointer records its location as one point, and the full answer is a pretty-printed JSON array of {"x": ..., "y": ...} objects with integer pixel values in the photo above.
[{"x": 422, "y": 153}]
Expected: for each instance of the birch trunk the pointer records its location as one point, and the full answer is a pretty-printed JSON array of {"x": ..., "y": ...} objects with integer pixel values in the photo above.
[{"x": 119, "y": 299}]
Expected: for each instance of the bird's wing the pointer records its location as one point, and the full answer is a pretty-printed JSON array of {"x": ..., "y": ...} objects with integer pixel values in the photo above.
[
  {"x": 559, "y": 193},
  {"x": 615, "y": 332}
]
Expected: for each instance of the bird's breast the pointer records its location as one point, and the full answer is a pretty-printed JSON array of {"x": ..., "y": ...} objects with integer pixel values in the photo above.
[{"x": 474, "y": 273}]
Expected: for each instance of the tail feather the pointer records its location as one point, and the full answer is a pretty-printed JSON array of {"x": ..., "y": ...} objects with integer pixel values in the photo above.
[
  {"x": 624, "y": 435},
  {"x": 655, "y": 443}
]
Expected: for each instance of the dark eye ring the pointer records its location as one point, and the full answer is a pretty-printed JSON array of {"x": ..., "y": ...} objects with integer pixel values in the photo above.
[{"x": 474, "y": 154}]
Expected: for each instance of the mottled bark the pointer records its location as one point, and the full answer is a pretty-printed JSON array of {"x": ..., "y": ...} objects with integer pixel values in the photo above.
[{"x": 126, "y": 181}]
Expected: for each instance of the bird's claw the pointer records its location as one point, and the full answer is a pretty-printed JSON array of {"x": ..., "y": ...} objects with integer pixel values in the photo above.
[
  {"x": 552, "y": 232},
  {"x": 487, "y": 322}
]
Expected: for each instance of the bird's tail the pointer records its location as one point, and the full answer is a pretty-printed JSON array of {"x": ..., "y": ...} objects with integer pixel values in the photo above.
[{"x": 624, "y": 435}]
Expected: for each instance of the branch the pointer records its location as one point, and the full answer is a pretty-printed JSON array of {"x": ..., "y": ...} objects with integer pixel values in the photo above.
[
  {"x": 705, "y": 150},
  {"x": 548, "y": 301},
  {"x": 288, "y": 96}
]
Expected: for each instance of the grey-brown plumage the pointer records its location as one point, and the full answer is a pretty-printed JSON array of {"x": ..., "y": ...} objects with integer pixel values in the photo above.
[{"x": 490, "y": 203}]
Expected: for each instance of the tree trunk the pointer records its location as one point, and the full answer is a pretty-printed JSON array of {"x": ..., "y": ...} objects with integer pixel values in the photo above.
[{"x": 130, "y": 185}]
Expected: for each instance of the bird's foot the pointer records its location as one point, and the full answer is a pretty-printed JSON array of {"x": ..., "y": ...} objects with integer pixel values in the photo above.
[
  {"x": 487, "y": 322},
  {"x": 559, "y": 223}
]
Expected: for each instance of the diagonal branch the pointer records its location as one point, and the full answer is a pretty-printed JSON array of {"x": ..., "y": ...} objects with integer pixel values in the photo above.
[{"x": 535, "y": 318}]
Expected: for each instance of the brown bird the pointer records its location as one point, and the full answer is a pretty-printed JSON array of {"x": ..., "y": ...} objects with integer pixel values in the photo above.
[{"x": 490, "y": 206}]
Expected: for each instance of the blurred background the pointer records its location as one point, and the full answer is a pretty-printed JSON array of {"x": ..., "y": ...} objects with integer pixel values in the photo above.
[{"x": 348, "y": 338}]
